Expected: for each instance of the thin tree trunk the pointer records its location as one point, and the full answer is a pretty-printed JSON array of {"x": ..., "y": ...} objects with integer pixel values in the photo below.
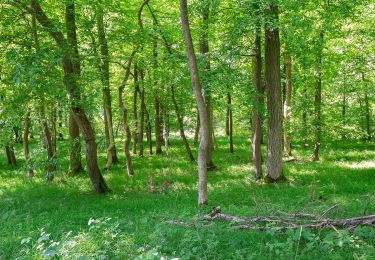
[
  {"x": 256, "y": 118},
  {"x": 181, "y": 125},
  {"x": 304, "y": 122},
  {"x": 135, "y": 112},
  {"x": 124, "y": 116},
  {"x": 274, "y": 100},
  {"x": 158, "y": 134},
  {"x": 60, "y": 124},
  {"x": 287, "y": 101},
  {"x": 107, "y": 102},
  {"x": 26, "y": 151},
  {"x": 229, "y": 104},
  {"x": 318, "y": 101},
  {"x": 166, "y": 129},
  {"x": 205, "y": 132},
  {"x": 141, "y": 114},
  {"x": 54, "y": 129},
  {"x": 148, "y": 132},
  {"x": 227, "y": 122}
]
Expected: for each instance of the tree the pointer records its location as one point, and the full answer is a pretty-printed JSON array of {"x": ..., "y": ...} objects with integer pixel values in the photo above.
[
  {"x": 274, "y": 102},
  {"x": 204, "y": 124}
]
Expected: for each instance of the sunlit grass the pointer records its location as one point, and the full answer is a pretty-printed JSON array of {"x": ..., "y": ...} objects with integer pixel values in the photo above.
[{"x": 131, "y": 220}]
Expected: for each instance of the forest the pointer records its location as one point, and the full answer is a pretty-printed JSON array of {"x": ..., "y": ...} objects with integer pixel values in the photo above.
[{"x": 190, "y": 129}]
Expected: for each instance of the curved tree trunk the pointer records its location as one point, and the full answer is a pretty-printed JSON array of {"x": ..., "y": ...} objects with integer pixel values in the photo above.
[
  {"x": 205, "y": 132},
  {"x": 274, "y": 100}
]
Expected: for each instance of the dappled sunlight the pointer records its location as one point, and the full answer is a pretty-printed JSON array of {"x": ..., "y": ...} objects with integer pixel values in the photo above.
[{"x": 358, "y": 165}]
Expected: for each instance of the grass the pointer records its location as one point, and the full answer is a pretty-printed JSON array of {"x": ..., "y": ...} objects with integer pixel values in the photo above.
[{"x": 64, "y": 219}]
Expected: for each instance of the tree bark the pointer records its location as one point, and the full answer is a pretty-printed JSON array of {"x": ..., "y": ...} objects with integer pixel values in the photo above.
[
  {"x": 287, "y": 101},
  {"x": 104, "y": 75},
  {"x": 166, "y": 129},
  {"x": 343, "y": 111},
  {"x": 274, "y": 99},
  {"x": 75, "y": 160},
  {"x": 318, "y": 100},
  {"x": 256, "y": 118},
  {"x": 204, "y": 123}
]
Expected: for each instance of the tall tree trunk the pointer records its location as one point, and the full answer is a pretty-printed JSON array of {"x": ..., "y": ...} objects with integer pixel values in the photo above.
[
  {"x": 26, "y": 151},
  {"x": 367, "y": 110},
  {"x": 158, "y": 134},
  {"x": 135, "y": 112},
  {"x": 227, "y": 122},
  {"x": 141, "y": 113},
  {"x": 274, "y": 101},
  {"x": 124, "y": 116},
  {"x": 287, "y": 101},
  {"x": 205, "y": 132},
  {"x": 204, "y": 50},
  {"x": 256, "y": 118},
  {"x": 318, "y": 100},
  {"x": 181, "y": 125},
  {"x": 229, "y": 104},
  {"x": 75, "y": 160},
  {"x": 107, "y": 102}
]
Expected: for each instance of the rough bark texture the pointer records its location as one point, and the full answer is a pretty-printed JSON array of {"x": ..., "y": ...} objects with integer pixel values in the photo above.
[
  {"x": 287, "y": 101},
  {"x": 107, "y": 101},
  {"x": 256, "y": 118},
  {"x": 204, "y": 50},
  {"x": 318, "y": 100},
  {"x": 73, "y": 90},
  {"x": 26, "y": 132},
  {"x": 75, "y": 164},
  {"x": 204, "y": 142},
  {"x": 196, "y": 131},
  {"x": 274, "y": 99}
]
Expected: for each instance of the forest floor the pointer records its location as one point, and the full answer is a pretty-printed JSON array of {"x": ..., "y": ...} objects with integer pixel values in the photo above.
[{"x": 64, "y": 218}]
